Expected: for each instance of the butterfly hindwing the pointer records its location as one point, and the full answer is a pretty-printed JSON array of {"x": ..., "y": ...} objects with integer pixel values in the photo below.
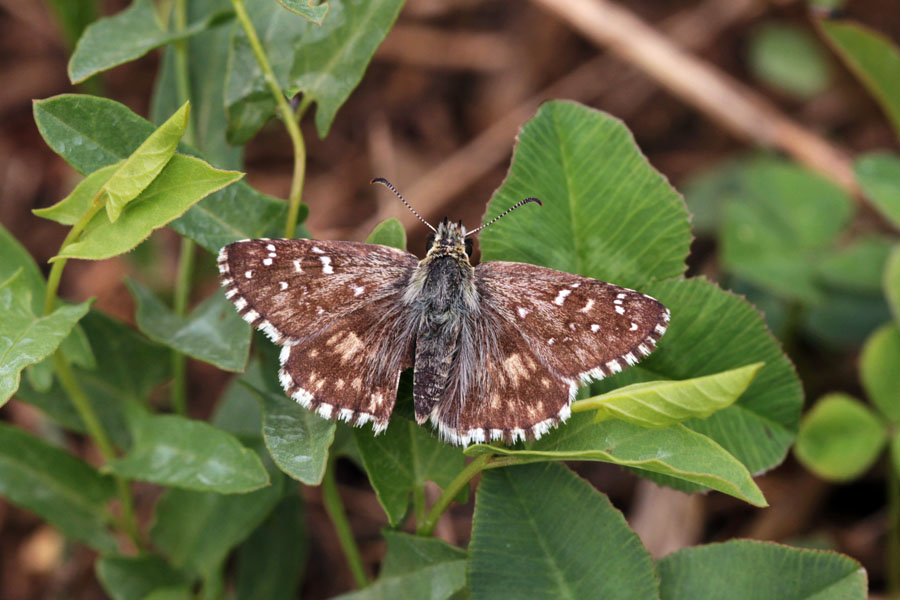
[{"x": 547, "y": 331}]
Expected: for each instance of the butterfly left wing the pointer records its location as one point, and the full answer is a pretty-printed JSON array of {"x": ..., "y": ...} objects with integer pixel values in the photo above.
[{"x": 545, "y": 332}]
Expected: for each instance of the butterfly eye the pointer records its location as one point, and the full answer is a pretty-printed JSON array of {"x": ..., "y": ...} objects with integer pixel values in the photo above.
[
  {"x": 469, "y": 247},
  {"x": 429, "y": 243}
]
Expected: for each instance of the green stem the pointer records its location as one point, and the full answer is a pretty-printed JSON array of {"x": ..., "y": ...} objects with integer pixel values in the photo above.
[
  {"x": 182, "y": 293},
  {"x": 472, "y": 469},
  {"x": 188, "y": 250},
  {"x": 287, "y": 115},
  {"x": 893, "y": 553},
  {"x": 335, "y": 510},
  {"x": 419, "y": 504},
  {"x": 73, "y": 388}
]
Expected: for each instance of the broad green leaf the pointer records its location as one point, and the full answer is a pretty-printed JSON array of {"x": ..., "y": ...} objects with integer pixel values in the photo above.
[
  {"x": 272, "y": 560},
  {"x": 128, "y": 35},
  {"x": 70, "y": 209},
  {"x": 145, "y": 163},
  {"x": 845, "y": 318},
  {"x": 308, "y": 9},
  {"x": 297, "y": 439},
  {"x": 840, "y": 438},
  {"x": 213, "y": 332},
  {"x": 873, "y": 58},
  {"x": 675, "y": 451},
  {"x": 892, "y": 283},
  {"x": 179, "y": 592},
  {"x": 789, "y": 59},
  {"x": 15, "y": 258},
  {"x": 711, "y": 331},
  {"x": 388, "y": 233},
  {"x": 401, "y": 460},
  {"x": 91, "y": 133},
  {"x": 207, "y": 65},
  {"x": 26, "y": 339},
  {"x": 181, "y": 184},
  {"x": 751, "y": 570},
  {"x": 416, "y": 567},
  {"x": 879, "y": 176},
  {"x": 238, "y": 411},
  {"x": 197, "y": 530},
  {"x": 324, "y": 62},
  {"x": 858, "y": 266},
  {"x": 135, "y": 577},
  {"x": 539, "y": 531},
  {"x": 664, "y": 403},
  {"x": 190, "y": 454},
  {"x": 775, "y": 230},
  {"x": 879, "y": 369},
  {"x": 707, "y": 192},
  {"x": 607, "y": 212},
  {"x": 55, "y": 485},
  {"x": 127, "y": 370}
]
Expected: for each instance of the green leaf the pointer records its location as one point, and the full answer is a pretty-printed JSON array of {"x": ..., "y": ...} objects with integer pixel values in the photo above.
[
  {"x": 74, "y": 16},
  {"x": 539, "y": 531},
  {"x": 674, "y": 451},
  {"x": 181, "y": 184},
  {"x": 895, "y": 451},
  {"x": 135, "y": 577},
  {"x": 607, "y": 214},
  {"x": 713, "y": 331},
  {"x": 401, "y": 460},
  {"x": 128, "y": 35},
  {"x": 26, "y": 339},
  {"x": 664, "y": 403},
  {"x": 873, "y": 58},
  {"x": 324, "y": 62},
  {"x": 892, "y": 282},
  {"x": 775, "y": 230},
  {"x": 840, "y": 438},
  {"x": 145, "y": 163},
  {"x": 751, "y": 570},
  {"x": 238, "y": 411},
  {"x": 91, "y": 133},
  {"x": 308, "y": 9},
  {"x": 70, "y": 209},
  {"x": 16, "y": 258},
  {"x": 388, "y": 233},
  {"x": 879, "y": 176},
  {"x": 213, "y": 332},
  {"x": 127, "y": 370},
  {"x": 272, "y": 560},
  {"x": 185, "y": 453},
  {"x": 197, "y": 530},
  {"x": 879, "y": 369},
  {"x": 416, "y": 567},
  {"x": 857, "y": 267},
  {"x": 708, "y": 191},
  {"x": 297, "y": 439},
  {"x": 789, "y": 59},
  {"x": 55, "y": 485}
]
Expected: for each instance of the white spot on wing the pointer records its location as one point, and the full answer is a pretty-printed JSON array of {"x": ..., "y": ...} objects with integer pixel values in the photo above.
[
  {"x": 588, "y": 306},
  {"x": 248, "y": 274},
  {"x": 267, "y": 262},
  {"x": 358, "y": 290},
  {"x": 523, "y": 312},
  {"x": 240, "y": 303},
  {"x": 630, "y": 359},
  {"x": 297, "y": 266},
  {"x": 283, "y": 285},
  {"x": 633, "y": 327},
  {"x": 660, "y": 329},
  {"x": 326, "y": 264},
  {"x": 270, "y": 247},
  {"x": 561, "y": 297},
  {"x": 595, "y": 328},
  {"x": 620, "y": 310},
  {"x": 614, "y": 367},
  {"x": 318, "y": 250}
]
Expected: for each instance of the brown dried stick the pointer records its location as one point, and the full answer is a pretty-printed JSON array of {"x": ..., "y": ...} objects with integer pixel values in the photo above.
[
  {"x": 735, "y": 106},
  {"x": 431, "y": 193}
]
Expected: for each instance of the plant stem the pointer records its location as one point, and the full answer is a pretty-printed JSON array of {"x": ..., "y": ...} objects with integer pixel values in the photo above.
[
  {"x": 182, "y": 292},
  {"x": 188, "y": 250},
  {"x": 419, "y": 504},
  {"x": 335, "y": 510},
  {"x": 472, "y": 469},
  {"x": 58, "y": 266},
  {"x": 893, "y": 553},
  {"x": 287, "y": 116}
]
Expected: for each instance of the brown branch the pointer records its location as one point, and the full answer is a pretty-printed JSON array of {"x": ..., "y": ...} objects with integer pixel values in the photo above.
[{"x": 729, "y": 102}]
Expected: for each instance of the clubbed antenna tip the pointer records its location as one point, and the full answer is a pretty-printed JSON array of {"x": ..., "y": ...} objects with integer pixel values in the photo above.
[
  {"x": 506, "y": 212},
  {"x": 388, "y": 185}
]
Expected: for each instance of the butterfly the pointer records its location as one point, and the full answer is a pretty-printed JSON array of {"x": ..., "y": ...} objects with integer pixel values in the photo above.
[{"x": 498, "y": 350}]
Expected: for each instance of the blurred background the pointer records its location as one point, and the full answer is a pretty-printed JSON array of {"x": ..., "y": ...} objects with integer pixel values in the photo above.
[{"x": 731, "y": 99}]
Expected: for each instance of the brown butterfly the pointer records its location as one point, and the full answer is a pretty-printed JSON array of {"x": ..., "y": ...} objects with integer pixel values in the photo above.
[{"x": 498, "y": 350}]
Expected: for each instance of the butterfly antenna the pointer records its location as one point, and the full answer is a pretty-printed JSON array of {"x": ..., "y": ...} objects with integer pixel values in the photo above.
[
  {"x": 504, "y": 213},
  {"x": 388, "y": 185}
]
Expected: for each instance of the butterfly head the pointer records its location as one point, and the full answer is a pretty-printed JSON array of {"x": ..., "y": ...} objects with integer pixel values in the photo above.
[{"x": 450, "y": 240}]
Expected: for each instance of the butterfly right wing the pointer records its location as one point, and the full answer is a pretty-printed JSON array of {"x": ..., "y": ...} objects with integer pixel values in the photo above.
[{"x": 337, "y": 310}]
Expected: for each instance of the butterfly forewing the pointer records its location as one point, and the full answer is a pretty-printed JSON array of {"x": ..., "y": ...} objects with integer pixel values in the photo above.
[
  {"x": 336, "y": 309},
  {"x": 548, "y": 332}
]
